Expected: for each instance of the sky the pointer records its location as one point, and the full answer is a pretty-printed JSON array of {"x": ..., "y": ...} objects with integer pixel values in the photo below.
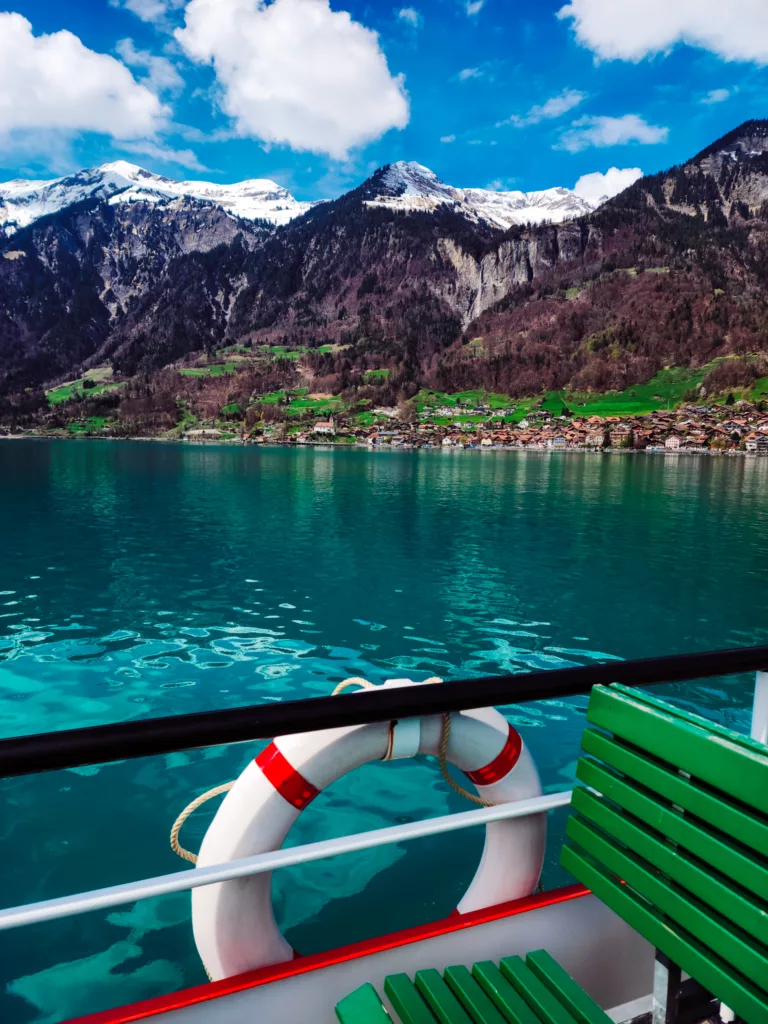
[{"x": 316, "y": 95}]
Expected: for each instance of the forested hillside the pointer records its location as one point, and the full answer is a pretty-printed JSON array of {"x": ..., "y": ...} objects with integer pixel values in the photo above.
[{"x": 673, "y": 271}]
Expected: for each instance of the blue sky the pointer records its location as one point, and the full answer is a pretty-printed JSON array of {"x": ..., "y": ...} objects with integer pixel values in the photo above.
[{"x": 316, "y": 95}]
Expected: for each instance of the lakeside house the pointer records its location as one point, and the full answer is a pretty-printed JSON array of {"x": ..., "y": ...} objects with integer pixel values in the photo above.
[
  {"x": 621, "y": 436},
  {"x": 324, "y": 427}
]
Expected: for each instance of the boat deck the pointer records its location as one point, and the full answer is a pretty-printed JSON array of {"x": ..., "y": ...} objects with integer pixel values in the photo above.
[{"x": 611, "y": 961}]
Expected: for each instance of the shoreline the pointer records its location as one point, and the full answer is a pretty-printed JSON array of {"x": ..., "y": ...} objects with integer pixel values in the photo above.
[{"x": 359, "y": 446}]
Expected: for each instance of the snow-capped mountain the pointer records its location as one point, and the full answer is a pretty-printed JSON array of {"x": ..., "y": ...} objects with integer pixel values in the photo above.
[
  {"x": 23, "y": 202},
  {"x": 400, "y": 186},
  {"x": 410, "y": 186}
]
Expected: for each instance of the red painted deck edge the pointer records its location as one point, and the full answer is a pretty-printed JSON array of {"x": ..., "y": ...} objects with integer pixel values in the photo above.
[{"x": 291, "y": 968}]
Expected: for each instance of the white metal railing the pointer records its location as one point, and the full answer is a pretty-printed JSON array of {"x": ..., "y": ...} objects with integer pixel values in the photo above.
[
  {"x": 760, "y": 708},
  {"x": 179, "y": 881}
]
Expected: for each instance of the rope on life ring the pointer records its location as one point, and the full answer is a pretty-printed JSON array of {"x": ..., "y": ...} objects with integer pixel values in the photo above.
[
  {"x": 444, "y": 739},
  {"x": 190, "y": 809},
  {"x": 364, "y": 684}
]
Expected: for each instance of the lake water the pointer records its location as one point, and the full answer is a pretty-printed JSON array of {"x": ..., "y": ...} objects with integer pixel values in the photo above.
[{"x": 140, "y": 579}]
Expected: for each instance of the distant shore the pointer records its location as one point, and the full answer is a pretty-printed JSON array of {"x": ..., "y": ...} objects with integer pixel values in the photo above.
[{"x": 358, "y": 446}]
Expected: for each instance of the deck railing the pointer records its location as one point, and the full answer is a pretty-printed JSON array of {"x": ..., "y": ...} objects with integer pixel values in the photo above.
[
  {"x": 179, "y": 881},
  {"x": 103, "y": 744}
]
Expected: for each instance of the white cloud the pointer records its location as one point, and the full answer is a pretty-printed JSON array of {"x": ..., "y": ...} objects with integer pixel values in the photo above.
[
  {"x": 473, "y": 7},
  {"x": 737, "y": 30},
  {"x": 610, "y": 131},
  {"x": 295, "y": 72},
  {"x": 555, "y": 106},
  {"x": 54, "y": 83},
  {"x": 597, "y": 185},
  {"x": 410, "y": 16},
  {"x": 161, "y": 76},
  {"x": 156, "y": 150},
  {"x": 466, "y": 73},
  {"x": 153, "y": 11},
  {"x": 501, "y": 184},
  {"x": 716, "y": 96},
  {"x": 447, "y": 138},
  {"x": 40, "y": 152}
]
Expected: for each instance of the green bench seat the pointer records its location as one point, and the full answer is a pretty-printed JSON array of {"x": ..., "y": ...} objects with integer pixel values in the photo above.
[
  {"x": 670, "y": 830},
  {"x": 537, "y": 991}
]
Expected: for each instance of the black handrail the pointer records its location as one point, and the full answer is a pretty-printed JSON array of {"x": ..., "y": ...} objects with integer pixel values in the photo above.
[{"x": 100, "y": 744}]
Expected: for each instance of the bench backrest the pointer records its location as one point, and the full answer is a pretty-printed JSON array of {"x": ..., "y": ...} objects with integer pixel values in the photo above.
[{"x": 672, "y": 834}]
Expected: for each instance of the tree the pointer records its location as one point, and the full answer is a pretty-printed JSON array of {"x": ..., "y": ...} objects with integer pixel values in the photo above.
[{"x": 408, "y": 413}]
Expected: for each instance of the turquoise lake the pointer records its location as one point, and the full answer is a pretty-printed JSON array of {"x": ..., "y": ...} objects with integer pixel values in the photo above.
[{"x": 141, "y": 579}]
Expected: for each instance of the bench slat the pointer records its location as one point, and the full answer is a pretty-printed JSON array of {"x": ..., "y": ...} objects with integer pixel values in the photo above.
[
  {"x": 546, "y": 1006},
  {"x": 408, "y": 1004},
  {"x": 711, "y": 807},
  {"x": 513, "y": 1006},
  {"x": 440, "y": 999},
  {"x": 717, "y": 759},
  {"x": 736, "y": 992},
  {"x": 736, "y": 862},
  {"x": 362, "y": 1006},
  {"x": 735, "y": 947},
  {"x": 573, "y": 997},
  {"x": 643, "y": 697},
  {"x": 472, "y": 997},
  {"x": 733, "y": 903}
]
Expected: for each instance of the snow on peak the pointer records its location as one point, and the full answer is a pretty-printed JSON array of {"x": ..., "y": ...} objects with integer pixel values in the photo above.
[
  {"x": 411, "y": 186},
  {"x": 411, "y": 179},
  {"x": 23, "y": 202},
  {"x": 405, "y": 186},
  {"x": 131, "y": 172}
]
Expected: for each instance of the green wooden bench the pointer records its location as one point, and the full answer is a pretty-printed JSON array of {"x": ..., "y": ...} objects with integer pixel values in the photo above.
[
  {"x": 669, "y": 830},
  {"x": 537, "y": 991},
  {"x": 672, "y": 834}
]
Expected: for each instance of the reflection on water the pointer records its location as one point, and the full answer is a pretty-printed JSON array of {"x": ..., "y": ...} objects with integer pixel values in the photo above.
[{"x": 139, "y": 580}]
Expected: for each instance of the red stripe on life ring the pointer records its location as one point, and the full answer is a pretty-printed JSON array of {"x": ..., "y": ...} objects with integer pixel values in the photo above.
[
  {"x": 501, "y": 765},
  {"x": 289, "y": 783}
]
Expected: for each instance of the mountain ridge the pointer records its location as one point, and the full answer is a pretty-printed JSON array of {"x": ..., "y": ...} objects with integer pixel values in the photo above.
[
  {"x": 672, "y": 271},
  {"x": 22, "y": 202},
  {"x": 408, "y": 186},
  {"x": 405, "y": 186}
]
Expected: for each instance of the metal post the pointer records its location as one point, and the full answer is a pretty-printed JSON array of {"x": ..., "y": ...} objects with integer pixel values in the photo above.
[
  {"x": 760, "y": 708},
  {"x": 666, "y": 990}
]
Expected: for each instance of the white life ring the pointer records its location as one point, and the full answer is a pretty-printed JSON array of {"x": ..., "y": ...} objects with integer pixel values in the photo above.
[{"x": 233, "y": 922}]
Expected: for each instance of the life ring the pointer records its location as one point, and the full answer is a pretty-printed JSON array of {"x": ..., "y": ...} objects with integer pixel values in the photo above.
[{"x": 233, "y": 921}]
